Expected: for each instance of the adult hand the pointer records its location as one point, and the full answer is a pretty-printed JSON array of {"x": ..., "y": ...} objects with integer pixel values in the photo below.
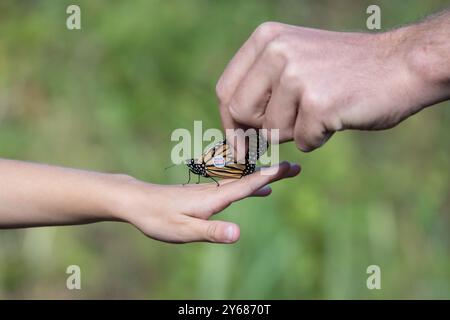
[{"x": 311, "y": 83}]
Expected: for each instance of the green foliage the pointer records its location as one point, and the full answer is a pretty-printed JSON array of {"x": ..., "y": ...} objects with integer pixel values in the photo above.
[{"x": 108, "y": 97}]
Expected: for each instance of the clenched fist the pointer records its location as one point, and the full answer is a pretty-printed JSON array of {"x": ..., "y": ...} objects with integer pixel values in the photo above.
[{"x": 310, "y": 83}]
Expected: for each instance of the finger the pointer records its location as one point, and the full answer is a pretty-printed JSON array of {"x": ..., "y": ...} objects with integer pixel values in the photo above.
[
  {"x": 249, "y": 102},
  {"x": 294, "y": 170},
  {"x": 239, "y": 66},
  {"x": 247, "y": 185},
  {"x": 262, "y": 192},
  {"x": 309, "y": 132},
  {"x": 281, "y": 112},
  {"x": 244, "y": 58},
  {"x": 210, "y": 231}
]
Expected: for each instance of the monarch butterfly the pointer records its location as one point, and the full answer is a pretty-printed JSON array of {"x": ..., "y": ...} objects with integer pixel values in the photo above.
[{"x": 218, "y": 162}]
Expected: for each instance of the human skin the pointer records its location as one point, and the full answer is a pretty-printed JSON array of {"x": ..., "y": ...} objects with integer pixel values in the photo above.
[
  {"x": 311, "y": 83},
  {"x": 33, "y": 195}
]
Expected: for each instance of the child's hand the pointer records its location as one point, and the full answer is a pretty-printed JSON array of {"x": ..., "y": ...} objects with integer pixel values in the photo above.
[
  {"x": 180, "y": 213},
  {"x": 35, "y": 195}
]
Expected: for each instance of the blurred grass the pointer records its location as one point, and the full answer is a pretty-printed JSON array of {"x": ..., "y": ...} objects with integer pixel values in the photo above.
[{"x": 108, "y": 97}]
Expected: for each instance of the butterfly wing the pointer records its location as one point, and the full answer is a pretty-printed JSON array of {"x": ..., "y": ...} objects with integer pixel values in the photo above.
[{"x": 231, "y": 170}]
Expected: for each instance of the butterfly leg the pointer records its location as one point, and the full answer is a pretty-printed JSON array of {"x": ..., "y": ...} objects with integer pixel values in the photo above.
[
  {"x": 198, "y": 180},
  {"x": 215, "y": 181},
  {"x": 189, "y": 172}
]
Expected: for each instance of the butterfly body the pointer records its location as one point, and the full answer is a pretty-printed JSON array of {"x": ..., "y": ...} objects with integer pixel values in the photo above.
[{"x": 196, "y": 168}]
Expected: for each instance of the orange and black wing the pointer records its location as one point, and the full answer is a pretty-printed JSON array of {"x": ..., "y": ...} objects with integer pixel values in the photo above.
[
  {"x": 229, "y": 171},
  {"x": 221, "y": 149},
  {"x": 232, "y": 169}
]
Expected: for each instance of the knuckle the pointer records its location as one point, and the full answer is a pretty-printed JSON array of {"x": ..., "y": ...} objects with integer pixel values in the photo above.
[
  {"x": 266, "y": 31},
  {"x": 277, "y": 49},
  {"x": 310, "y": 100},
  {"x": 182, "y": 230},
  {"x": 291, "y": 78},
  {"x": 315, "y": 103},
  {"x": 211, "y": 232}
]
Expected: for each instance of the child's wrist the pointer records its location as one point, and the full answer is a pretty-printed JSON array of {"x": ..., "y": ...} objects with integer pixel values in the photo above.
[
  {"x": 125, "y": 195},
  {"x": 117, "y": 197}
]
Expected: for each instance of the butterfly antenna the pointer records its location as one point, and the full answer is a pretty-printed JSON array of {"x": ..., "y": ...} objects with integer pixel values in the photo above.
[{"x": 173, "y": 165}]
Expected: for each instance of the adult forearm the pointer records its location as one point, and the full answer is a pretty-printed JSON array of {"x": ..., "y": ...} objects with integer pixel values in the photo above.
[{"x": 36, "y": 195}]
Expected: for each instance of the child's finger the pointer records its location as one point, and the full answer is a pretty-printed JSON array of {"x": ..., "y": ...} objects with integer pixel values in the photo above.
[
  {"x": 262, "y": 192},
  {"x": 294, "y": 169},
  {"x": 251, "y": 183}
]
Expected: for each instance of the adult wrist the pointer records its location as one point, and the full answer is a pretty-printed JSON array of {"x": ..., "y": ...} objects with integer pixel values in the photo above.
[
  {"x": 426, "y": 54},
  {"x": 419, "y": 67}
]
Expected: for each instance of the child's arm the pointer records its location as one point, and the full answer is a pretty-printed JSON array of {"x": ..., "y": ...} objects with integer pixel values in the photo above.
[{"x": 41, "y": 195}]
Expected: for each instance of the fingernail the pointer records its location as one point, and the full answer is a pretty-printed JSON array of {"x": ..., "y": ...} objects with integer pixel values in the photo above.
[
  {"x": 230, "y": 233},
  {"x": 296, "y": 168}
]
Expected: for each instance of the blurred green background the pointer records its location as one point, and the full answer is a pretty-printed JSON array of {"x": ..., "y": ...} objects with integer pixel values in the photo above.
[{"x": 108, "y": 97}]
